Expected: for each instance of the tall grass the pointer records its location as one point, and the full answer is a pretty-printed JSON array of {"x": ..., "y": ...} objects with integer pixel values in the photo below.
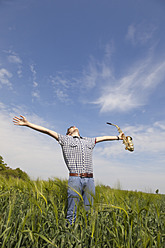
[{"x": 33, "y": 214}]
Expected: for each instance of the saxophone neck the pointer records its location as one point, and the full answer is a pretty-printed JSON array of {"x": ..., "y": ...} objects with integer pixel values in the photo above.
[{"x": 119, "y": 129}]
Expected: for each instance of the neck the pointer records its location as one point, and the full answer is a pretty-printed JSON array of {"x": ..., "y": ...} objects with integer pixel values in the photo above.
[{"x": 75, "y": 133}]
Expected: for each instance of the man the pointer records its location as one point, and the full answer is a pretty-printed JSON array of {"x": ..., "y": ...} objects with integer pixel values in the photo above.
[{"x": 77, "y": 152}]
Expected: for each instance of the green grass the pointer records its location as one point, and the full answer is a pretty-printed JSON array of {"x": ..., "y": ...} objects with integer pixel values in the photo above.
[{"x": 33, "y": 214}]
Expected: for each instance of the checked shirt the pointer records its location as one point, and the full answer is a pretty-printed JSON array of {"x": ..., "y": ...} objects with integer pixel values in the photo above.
[{"x": 77, "y": 153}]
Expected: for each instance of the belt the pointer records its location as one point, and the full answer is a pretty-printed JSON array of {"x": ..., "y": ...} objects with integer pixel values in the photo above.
[{"x": 89, "y": 175}]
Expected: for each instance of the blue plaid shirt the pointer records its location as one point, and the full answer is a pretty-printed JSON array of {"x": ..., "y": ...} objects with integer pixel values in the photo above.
[{"x": 77, "y": 153}]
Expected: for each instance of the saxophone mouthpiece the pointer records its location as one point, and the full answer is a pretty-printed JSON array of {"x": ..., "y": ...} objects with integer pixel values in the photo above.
[{"x": 109, "y": 123}]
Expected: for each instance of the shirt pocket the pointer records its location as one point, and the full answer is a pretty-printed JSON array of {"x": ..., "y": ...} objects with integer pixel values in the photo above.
[
  {"x": 73, "y": 145},
  {"x": 89, "y": 146}
]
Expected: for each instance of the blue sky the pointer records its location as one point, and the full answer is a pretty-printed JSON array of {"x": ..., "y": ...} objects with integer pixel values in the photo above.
[{"x": 84, "y": 63}]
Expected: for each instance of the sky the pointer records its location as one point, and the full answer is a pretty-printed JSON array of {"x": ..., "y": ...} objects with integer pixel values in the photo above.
[{"x": 85, "y": 63}]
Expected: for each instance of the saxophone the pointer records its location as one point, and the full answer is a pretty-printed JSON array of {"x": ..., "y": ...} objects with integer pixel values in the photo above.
[{"x": 127, "y": 140}]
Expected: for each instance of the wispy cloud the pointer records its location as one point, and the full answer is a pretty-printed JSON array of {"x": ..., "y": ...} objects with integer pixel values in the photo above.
[
  {"x": 140, "y": 34},
  {"x": 127, "y": 92},
  {"x": 35, "y": 91},
  {"x": 90, "y": 75},
  {"x": 160, "y": 124},
  {"x": 62, "y": 87},
  {"x": 14, "y": 58},
  {"x": 132, "y": 89},
  {"x": 5, "y": 76},
  {"x": 62, "y": 96},
  {"x": 97, "y": 72}
]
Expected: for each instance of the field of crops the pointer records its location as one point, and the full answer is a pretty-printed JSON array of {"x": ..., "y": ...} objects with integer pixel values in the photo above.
[{"x": 32, "y": 214}]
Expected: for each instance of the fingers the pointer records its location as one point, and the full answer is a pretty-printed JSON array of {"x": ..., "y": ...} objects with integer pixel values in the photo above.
[
  {"x": 121, "y": 135},
  {"x": 17, "y": 120}
]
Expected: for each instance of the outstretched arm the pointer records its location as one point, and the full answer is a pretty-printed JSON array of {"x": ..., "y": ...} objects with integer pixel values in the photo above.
[
  {"x": 109, "y": 138},
  {"x": 22, "y": 121}
]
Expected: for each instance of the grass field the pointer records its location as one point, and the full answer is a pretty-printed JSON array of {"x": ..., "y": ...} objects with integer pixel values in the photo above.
[{"x": 32, "y": 214}]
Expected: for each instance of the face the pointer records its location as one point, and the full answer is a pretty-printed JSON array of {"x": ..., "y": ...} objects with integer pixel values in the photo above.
[{"x": 73, "y": 130}]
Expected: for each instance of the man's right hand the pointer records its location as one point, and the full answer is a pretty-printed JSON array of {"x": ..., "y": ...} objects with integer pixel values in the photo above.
[{"x": 20, "y": 121}]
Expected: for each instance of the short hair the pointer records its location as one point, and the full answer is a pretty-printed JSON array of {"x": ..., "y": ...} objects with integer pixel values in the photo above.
[{"x": 68, "y": 130}]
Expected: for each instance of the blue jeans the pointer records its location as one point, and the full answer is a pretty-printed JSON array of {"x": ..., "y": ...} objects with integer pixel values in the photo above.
[{"x": 85, "y": 187}]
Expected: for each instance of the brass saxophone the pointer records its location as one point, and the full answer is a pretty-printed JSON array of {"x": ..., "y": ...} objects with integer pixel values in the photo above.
[{"x": 127, "y": 140}]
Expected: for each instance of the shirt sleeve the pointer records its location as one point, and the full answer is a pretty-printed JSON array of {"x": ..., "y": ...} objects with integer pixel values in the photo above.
[
  {"x": 61, "y": 139},
  {"x": 91, "y": 142}
]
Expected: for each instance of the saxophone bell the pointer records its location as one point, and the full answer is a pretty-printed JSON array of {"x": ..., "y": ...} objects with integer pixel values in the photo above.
[
  {"x": 130, "y": 146},
  {"x": 127, "y": 140}
]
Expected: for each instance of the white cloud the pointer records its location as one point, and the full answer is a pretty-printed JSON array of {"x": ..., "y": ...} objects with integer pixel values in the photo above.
[
  {"x": 35, "y": 94},
  {"x": 97, "y": 73},
  {"x": 5, "y": 75},
  {"x": 90, "y": 76},
  {"x": 35, "y": 84},
  {"x": 160, "y": 124},
  {"x": 33, "y": 71},
  {"x": 35, "y": 153},
  {"x": 19, "y": 72},
  {"x": 133, "y": 89},
  {"x": 62, "y": 87},
  {"x": 140, "y": 33},
  {"x": 2, "y": 106},
  {"x": 150, "y": 140},
  {"x": 109, "y": 50},
  {"x": 35, "y": 91},
  {"x": 114, "y": 93},
  {"x": 60, "y": 80},
  {"x": 62, "y": 96},
  {"x": 14, "y": 59},
  {"x": 131, "y": 33}
]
